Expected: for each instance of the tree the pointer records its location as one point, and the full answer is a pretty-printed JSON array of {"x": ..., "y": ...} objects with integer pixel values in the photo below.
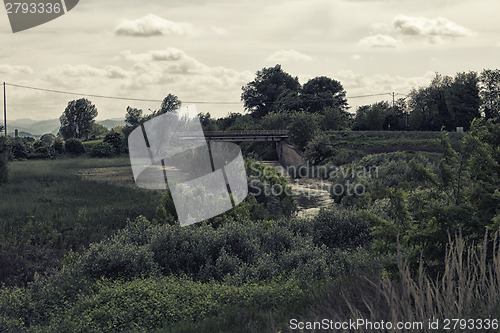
[
  {"x": 77, "y": 118},
  {"x": 489, "y": 81},
  {"x": 334, "y": 118},
  {"x": 260, "y": 95},
  {"x": 303, "y": 128},
  {"x": 134, "y": 117},
  {"x": 98, "y": 130},
  {"x": 48, "y": 138},
  {"x": 207, "y": 122},
  {"x": 169, "y": 103},
  {"x": 447, "y": 102},
  {"x": 464, "y": 101},
  {"x": 372, "y": 117},
  {"x": 321, "y": 92}
]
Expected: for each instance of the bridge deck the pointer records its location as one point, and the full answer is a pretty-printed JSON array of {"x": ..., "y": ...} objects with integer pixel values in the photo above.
[{"x": 247, "y": 135}]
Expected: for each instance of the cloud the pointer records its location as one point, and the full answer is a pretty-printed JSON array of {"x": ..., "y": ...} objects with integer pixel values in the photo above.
[
  {"x": 288, "y": 55},
  {"x": 174, "y": 69},
  {"x": 13, "y": 69},
  {"x": 380, "y": 41},
  {"x": 170, "y": 60},
  {"x": 152, "y": 25},
  {"x": 76, "y": 76},
  {"x": 168, "y": 54},
  {"x": 421, "y": 26}
]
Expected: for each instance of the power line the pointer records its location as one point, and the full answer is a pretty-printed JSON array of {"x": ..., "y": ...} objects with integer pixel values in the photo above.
[
  {"x": 108, "y": 97},
  {"x": 156, "y": 100}
]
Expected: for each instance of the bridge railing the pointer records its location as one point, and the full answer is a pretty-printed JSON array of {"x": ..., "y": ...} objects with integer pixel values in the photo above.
[{"x": 247, "y": 133}]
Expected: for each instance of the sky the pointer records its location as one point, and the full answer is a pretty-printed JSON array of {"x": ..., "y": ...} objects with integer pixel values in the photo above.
[{"x": 204, "y": 51}]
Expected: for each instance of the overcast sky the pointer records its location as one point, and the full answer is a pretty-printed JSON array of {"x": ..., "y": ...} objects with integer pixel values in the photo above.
[{"x": 205, "y": 50}]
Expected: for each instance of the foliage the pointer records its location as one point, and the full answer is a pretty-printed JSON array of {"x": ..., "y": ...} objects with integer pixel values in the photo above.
[
  {"x": 421, "y": 203},
  {"x": 102, "y": 149},
  {"x": 468, "y": 288},
  {"x": 372, "y": 117},
  {"x": 303, "y": 128},
  {"x": 77, "y": 118},
  {"x": 48, "y": 138},
  {"x": 74, "y": 146},
  {"x": 168, "y": 104},
  {"x": 490, "y": 93},
  {"x": 97, "y": 131},
  {"x": 334, "y": 118},
  {"x": 260, "y": 94},
  {"x": 43, "y": 150},
  {"x": 115, "y": 139},
  {"x": 58, "y": 146},
  {"x": 323, "y": 92},
  {"x": 20, "y": 148},
  {"x": 447, "y": 102},
  {"x": 4, "y": 154},
  {"x": 319, "y": 149}
]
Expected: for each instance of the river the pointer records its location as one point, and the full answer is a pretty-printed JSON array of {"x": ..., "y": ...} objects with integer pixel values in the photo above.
[{"x": 311, "y": 194}]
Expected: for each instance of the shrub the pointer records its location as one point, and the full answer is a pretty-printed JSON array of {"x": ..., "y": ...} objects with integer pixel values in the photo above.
[
  {"x": 116, "y": 258},
  {"x": 48, "y": 138},
  {"x": 58, "y": 146},
  {"x": 102, "y": 149},
  {"x": 4, "y": 151},
  {"x": 74, "y": 146},
  {"x": 20, "y": 148},
  {"x": 116, "y": 140},
  {"x": 43, "y": 150}
]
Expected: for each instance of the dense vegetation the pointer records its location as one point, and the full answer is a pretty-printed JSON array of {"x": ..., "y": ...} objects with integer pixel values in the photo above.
[{"x": 406, "y": 237}]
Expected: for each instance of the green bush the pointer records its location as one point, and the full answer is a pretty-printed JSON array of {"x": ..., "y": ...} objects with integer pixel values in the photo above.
[
  {"x": 74, "y": 146},
  {"x": 117, "y": 258},
  {"x": 20, "y": 148},
  {"x": 43, "y": 150},
  {"x": 102, "y": 149},
  {"x": 116, "y": 140},
  {"x": 4, "y": 153},
  {"x": 58, "y": 146}
]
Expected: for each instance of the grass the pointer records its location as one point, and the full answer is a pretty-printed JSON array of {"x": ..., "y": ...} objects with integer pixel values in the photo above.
[
  {"x": 47, "y": 209},
  {"x": 469, "y": 288},
  {"x": 351, "y": 146}
]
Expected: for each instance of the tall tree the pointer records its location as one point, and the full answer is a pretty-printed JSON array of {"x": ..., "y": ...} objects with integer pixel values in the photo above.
[
  {"x": 490, "y": 93},
  {"x": 321, "y": 92},
  {"x": 169, "y": 103},
  {"x": 77, "y": 118},
  {"x": 261, "y": 95},
  {"x": 372, "y": 117},
  {"x": 447, "y": 102},
  {"x": 464, "y": 103}
]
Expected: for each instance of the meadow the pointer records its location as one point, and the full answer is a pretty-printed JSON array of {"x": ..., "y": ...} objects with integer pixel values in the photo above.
[{"x": 84, "y": 250}]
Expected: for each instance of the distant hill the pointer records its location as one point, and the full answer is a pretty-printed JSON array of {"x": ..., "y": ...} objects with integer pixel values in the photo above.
[{"x": 38, "y": 128}]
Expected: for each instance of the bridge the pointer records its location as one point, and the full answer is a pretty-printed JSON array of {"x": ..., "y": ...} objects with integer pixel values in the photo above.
[
  {"x": 242, "y": 136},
  {"x": 287, "y": 154}
]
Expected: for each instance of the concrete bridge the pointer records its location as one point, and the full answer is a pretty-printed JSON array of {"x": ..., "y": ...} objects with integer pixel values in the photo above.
[{"x": 287, "y": 154}]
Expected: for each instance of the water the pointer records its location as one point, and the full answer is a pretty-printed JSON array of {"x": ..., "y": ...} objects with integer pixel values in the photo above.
[{"x": 311, "y": 194}]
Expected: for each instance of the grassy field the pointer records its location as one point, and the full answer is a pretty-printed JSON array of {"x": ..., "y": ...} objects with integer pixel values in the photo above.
[{"x": 50, "y": 207}]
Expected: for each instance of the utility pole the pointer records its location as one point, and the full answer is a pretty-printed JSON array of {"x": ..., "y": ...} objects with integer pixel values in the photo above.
[
  {"x": 5, "y": 110},
  {"x": 393, "y": 94}
]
